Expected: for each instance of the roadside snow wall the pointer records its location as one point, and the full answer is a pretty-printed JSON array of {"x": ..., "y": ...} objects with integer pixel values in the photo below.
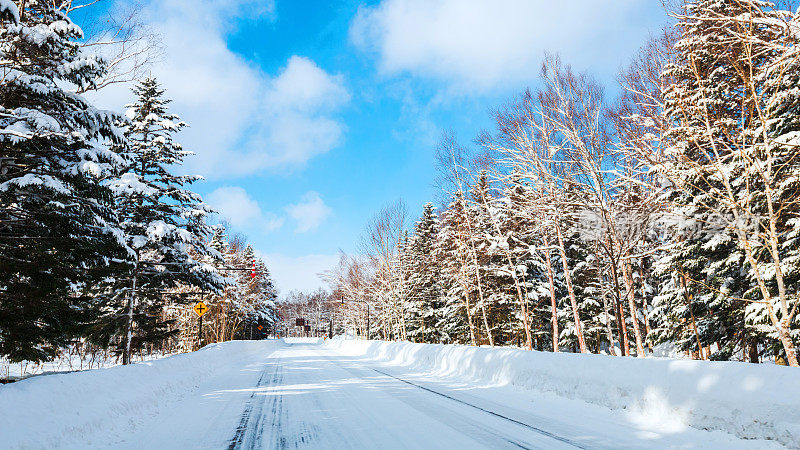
[
  {"x": 748, "y": 400},
  {"x": 50, "y": 411}
]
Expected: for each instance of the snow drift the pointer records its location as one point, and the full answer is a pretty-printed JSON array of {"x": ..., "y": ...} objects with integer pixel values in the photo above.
[
  {"x": 52, "y": 410},
  {"x": 748, "y": 400}
]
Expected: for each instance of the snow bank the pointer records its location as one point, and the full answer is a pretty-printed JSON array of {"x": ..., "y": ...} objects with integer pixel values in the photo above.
[
  {"x": 66, "y": 363},
  {"x": 52, "y": 410},
  {"x": 302, "y": 340},
  {"x": 747, "y": 400}
]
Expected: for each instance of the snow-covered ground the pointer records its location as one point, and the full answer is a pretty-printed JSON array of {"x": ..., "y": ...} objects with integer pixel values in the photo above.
[
  {"x": 66, "y": 363},
  {"x": 357, "y": 394}
]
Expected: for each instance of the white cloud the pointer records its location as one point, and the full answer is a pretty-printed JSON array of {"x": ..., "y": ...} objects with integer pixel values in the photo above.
[
  {"x": 234, "y": 204},
  {"x": 297, "y": 107},
  {"x": 479, "y": 45},
  {"x": 242, "y": 120},
  {"x": 299, "y": 273},
  {"x": 303, "y": 86},
  {"x": 309, "y": 213}
]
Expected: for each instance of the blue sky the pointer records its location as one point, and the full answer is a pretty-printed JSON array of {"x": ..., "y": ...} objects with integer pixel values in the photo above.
[{"x": 308, "y": 116}]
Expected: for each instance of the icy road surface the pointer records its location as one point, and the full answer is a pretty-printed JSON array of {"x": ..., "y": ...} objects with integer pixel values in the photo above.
[{"x": 305, "y": 395}]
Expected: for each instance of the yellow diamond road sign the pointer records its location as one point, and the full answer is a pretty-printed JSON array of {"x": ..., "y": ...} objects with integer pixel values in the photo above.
[{"x": 200, "y": 308}]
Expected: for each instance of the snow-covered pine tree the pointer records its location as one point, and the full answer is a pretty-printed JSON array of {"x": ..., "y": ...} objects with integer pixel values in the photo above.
[
  {"x": 425, "y": 290},
  {"x": 583, "y": 270},
  {"x": 506, "y": 311},
  {"x": 256, "y": 303},
  {"x": 412, "y": 304},
  {"x": 457, "y": 275},
  {"x": 57, "y": 226},
  {"x": 241, "y": 298},
  {"x": 484, "y": 253},
  {"x": 508, "y": 263},
  {"x": 401, "y": 287},
  {"x": 500, "y": 299},
  {"x": 164, "y": 224},
  {"x": 776, "y": 182},
  {"x": 221, "y": 305},
  {"x": 726, "y": 164},
  {"x": 265, "y": 312},
  {"x": 529, "y": 244}
]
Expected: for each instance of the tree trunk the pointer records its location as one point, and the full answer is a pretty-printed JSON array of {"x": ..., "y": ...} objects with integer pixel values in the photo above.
[
  {"x": 480, "y": 294},
  {"x": 646, "y": 312},
  {"x": 788, "y": 345},
  {"x": 403, "y": 330},
  {"x": 523, "y": 308},
  {"x": 753, "y": 350},
  {"x": 619, "y": 312},
  {"x": 554, "y": 308},
  {"x": 469, "y": 316},
  {"x": 687, "y": 298},
  {"x": 626, "y": 270},
  {"x": 486, "y": 325},
  {"x": 126, "y": 356},
  {"x": 573, "y": 301},
  {"x": 603, "y": 296}
]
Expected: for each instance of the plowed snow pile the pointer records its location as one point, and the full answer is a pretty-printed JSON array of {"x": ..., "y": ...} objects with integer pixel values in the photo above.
[{"x": 754, "y": 401}]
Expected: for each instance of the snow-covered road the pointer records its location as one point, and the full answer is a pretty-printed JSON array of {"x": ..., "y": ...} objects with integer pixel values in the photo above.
[
  {"x": 305, "y": 395},
  {"x": 276, "y": 394}
]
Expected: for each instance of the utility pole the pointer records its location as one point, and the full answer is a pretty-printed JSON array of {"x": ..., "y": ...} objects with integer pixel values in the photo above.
[
  {"x": 200, "y": 308},
  {"x": 200, "y": 332}
]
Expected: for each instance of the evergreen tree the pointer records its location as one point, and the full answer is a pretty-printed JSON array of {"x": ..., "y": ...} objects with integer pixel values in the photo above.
[
  {"x": 57, "y": 224},
  {"x": 457, "y": 271},
  {"x": 164, "y": 225},
  {"x": 499, "y": 236},
  {"x": 724, "y": 179},
  {"x": 583, "y": 269},
  {"x": 519, "y": 227},
  {"x": 265, "y": 312},
  {"x": 258, "y": 300},
  {"x": 485, "y": 254},
  {"x": 775, "y": 180},
  {"x": 425, "y": 288}
]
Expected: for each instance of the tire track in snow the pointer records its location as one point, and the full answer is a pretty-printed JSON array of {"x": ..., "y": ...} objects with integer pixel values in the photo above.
[
  {"x": 268, "y": 413},
  {"x": 499, "y": 436},
  {"x": 536, "y": 429},
  {"x": 285, "y": 432},
  {"x": 251, "y": 426},
  {"x": 276, "y": 412}
]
